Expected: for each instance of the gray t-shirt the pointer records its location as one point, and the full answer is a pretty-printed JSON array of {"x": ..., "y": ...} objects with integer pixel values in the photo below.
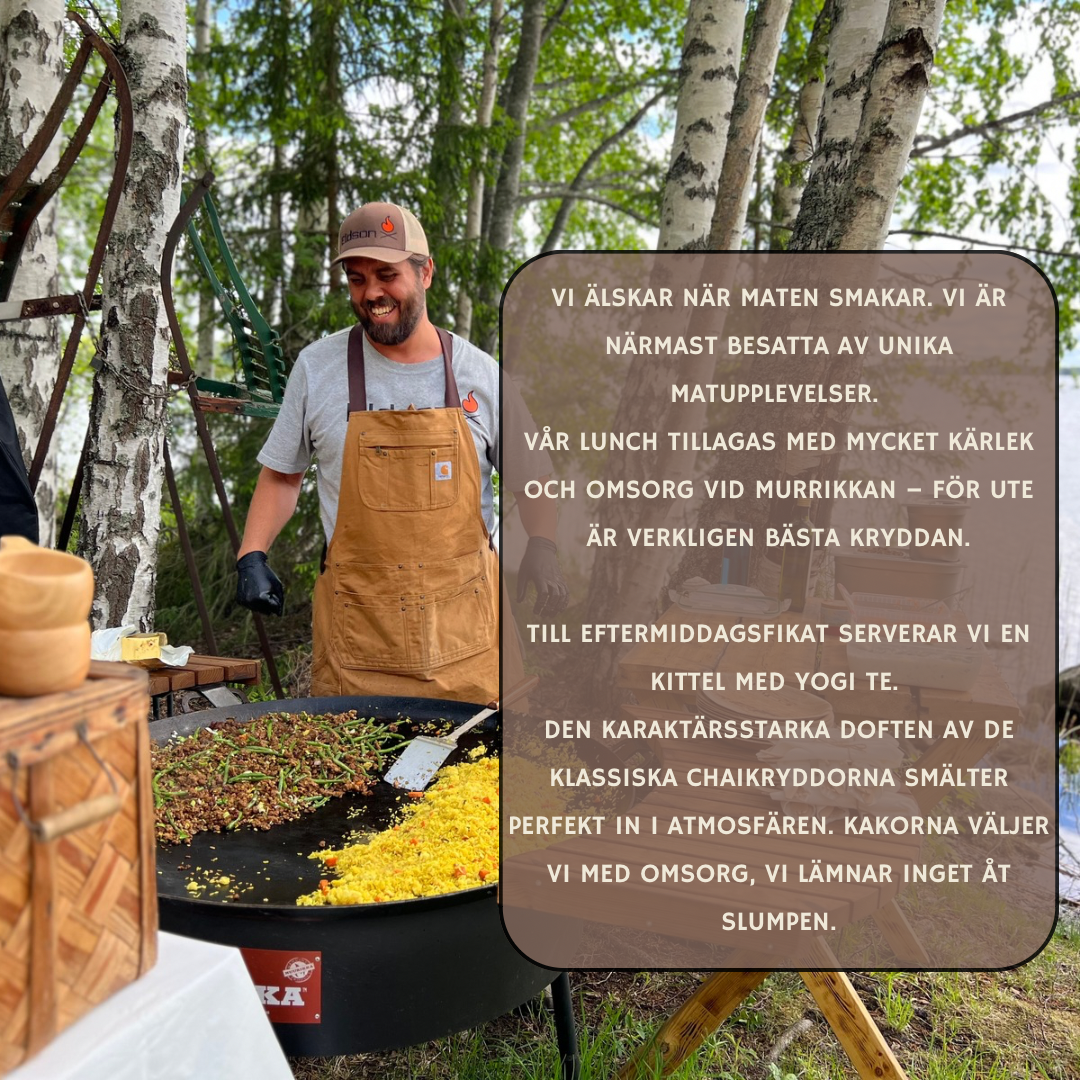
[{"x": 314, "y": 414}]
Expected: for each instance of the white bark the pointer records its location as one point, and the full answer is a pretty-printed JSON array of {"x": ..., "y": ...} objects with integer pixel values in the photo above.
[
  {"x": 31, "y": 70},
  {"x": 899, "y": 79},
  {"x": 712, "y": 45},
  {"x": 854, "y": 34},
  {"x": 120, "y": 514},
  {"x": 744, "y": 131}
]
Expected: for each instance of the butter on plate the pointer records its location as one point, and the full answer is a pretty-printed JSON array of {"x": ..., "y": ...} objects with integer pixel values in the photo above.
[{"x": 143, "y": 649}]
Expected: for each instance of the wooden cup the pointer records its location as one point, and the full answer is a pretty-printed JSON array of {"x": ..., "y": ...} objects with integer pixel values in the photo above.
[{"x": 45, "y": 599}]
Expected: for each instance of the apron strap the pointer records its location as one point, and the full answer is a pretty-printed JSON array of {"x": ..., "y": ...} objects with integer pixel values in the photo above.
[
  {"x": 358, "y": 383},
  {"x": 453, "y": 398}
]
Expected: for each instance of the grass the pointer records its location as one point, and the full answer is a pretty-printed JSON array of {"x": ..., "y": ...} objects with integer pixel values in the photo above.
[{"x": 1021, "y": 1024}]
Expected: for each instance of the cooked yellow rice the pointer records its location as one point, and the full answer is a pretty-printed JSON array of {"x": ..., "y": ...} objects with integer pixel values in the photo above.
[{"x": 446, "y": 841}]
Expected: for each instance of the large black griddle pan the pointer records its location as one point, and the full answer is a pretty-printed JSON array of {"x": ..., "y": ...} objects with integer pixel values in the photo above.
[
  {"x": 276, "y": 861},
  {"x": 392, "y": 974}
]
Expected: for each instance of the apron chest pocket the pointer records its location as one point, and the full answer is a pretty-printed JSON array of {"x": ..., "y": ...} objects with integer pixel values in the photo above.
[{"x": 408, "y": 478}]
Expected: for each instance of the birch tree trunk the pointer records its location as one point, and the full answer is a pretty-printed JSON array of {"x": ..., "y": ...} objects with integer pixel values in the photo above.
[
  {"x": 899, "y": 79},
  {"x": 120, "y": 515},
  {"x": 475, "y": 204},
  {"x": 712, "y": 45},
  {"x": 624, "y": 584},
  {"x": 744, "y": 131},
  {"x": 854, "y": 35},
  {"x": 860, "y": 196},
  {"x": 31, "y": 70}
]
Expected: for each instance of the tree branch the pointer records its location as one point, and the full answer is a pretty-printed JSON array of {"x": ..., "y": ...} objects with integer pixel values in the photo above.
[
  {"x": 553, "y": 21},
  {"x": 594, "y": 103},
  {"x": 985, "y": 243},
  {"x": 578, "y": 183},
  {"x": 925, "y": 144},
  {"x": 566, "y": 193}
]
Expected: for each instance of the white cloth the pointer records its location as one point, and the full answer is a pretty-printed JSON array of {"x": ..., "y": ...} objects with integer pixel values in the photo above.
[{"x": 194, "y": 1016}]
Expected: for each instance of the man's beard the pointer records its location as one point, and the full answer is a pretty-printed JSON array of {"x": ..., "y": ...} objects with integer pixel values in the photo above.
[{"x": 410, "y": 311}]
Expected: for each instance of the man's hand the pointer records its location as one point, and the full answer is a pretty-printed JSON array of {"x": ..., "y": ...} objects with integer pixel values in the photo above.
[
  {"x": 257, "y": 586},
  {"x": 541, "y": 566}
]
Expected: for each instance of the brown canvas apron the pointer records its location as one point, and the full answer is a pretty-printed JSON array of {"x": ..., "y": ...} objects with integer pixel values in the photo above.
[{"x": 408, "y": 602}]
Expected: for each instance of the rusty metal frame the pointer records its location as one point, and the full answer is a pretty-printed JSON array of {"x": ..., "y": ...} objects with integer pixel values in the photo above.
[
  {"x": 21, "y": 202},
  {"x": 187, "y": 375}
]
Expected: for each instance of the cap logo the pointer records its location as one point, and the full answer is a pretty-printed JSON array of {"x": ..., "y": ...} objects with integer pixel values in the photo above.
[{"x": 387, "y": 225}]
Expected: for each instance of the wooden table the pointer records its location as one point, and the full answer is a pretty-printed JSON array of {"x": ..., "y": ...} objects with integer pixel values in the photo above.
[
  {"x": 200, "y": 672},
  {"x": 695, "y": 912}
]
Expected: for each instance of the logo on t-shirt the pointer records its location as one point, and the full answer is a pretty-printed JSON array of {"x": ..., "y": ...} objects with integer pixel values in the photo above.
[{"x": 471, "y": 406}]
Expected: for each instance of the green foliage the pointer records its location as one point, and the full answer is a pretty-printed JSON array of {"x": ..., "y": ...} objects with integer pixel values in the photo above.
[
  {"x": 295, "y": 556},
  {"x": 989, "y": 182},
  {"x": 313, "y": 106}
]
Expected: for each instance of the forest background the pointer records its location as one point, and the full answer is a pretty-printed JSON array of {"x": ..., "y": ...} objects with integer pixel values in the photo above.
[{"x": 512, "y": 129}]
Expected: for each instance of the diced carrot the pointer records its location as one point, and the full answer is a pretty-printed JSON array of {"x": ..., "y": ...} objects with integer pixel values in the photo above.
[
  {"x": 330, "y": 860},
  {"x": 482, "y": 875}
]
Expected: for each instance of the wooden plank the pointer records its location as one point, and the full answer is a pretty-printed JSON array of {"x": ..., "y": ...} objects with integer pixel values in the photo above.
[
  {"x": 692, "y": 1023},
  {"x": 809, "y": 845},
  {"x": 637, "y": 667},
  {"x": 43, "y": 914},
  {"x": 896, "y": 930},
  {"x": 842, "y": 902},
  {"x": 695, "y": 917},
  {"x": 162, "y": 680},
  {"x": 237, "y": 669},
  {"x": 848, "y": 1017},
  {"x": 206, "y": 671},
  {"x": 147, "y": 825}
]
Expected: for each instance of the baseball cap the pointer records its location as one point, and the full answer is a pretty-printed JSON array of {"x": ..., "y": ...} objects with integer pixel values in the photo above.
[{"x": 381, "y": 230}]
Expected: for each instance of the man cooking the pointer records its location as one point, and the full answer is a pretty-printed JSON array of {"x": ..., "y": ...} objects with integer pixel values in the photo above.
[{"x": 404, "y": 420}]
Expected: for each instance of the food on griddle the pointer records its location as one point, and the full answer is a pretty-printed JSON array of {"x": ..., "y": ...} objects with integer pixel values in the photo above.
[
  {"x": 272, "y": 769},
  {"x": 446, "y": 840}
]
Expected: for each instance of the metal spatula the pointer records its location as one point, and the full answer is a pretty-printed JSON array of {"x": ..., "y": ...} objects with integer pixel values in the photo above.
[{"x": 424, "y": 756}]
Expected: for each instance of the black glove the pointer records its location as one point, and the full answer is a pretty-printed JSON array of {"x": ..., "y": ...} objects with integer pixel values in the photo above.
[
  {"x": 541, "y": 566},
  {"x": 257, "y": 586}
]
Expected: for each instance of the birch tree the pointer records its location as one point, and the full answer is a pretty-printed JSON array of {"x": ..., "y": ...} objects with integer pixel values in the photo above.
[
  {"x": 31, "y": 70},
  {"x": 859, "y": 190},
  {"x": 854, "y": 34},
  {"x": 744, "y": 132},
  {"x": 898, "y": 79},
  {"x": 120, "y": 514},
  {"x": 712, "y": 45}
]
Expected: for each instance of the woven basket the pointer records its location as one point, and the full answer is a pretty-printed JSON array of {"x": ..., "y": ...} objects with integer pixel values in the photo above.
[{"x": 78, "y": 891}]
